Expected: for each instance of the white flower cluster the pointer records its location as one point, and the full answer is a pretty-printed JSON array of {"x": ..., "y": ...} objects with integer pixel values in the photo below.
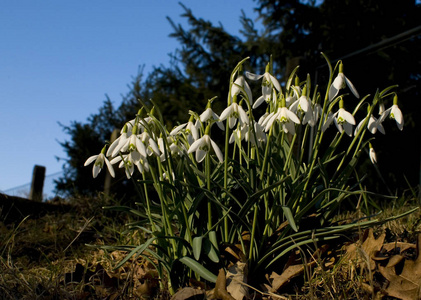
[{"x": 138, "y": 142}]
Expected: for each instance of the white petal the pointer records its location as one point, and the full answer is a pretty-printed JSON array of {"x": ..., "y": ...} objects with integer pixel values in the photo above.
[
  {"x": 95, "y": 171},
  {"x": 347, "y": 116},
  {"x": 330, "y": 118},
  {"x": 140, "y": 147},
  {"x": 206, "y": 115},
  {"x": 200, "y": 155},
  {"x": 252, "y": 76},
  {"x": 217, "y": 151},
  {"x": 303, "y": 102},
  {"x": 154, "y": 147},
  {"x": 352, "y": 87},
  {"x": 177, "y": 129},
  {"x": 195, "y": 145},
  {"x": 336, "y": 86},
  {"x": 90, "y": 160},
  {"x": 243, "y": 115},
  {"x": 248, "y": 92},
  {"x": 110, "y": 167},
  {"x": 289, "y": 127},
  {"x": 259, "y": 101},
  {"x": 373, "y": 156},
  {"x": 357, "y": 128},
  {"x": 293, "y": 117},
  {"x": 275, "y": 82},
  {"x": 397, "y": 115},
  {"x": 227, "y": 112},
  {"x": 348, "y": 128},
  {"x": 193, "y": 130},
  {"x": 116, "y": 160}
]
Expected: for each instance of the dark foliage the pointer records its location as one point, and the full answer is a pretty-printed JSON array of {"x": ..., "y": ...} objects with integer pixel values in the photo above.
[{"x": 378, "y": 41}]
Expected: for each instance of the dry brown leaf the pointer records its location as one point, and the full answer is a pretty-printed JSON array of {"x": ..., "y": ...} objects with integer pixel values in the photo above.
[
  {"x": 236, "y": 275},
  {"x": 220, "y": 291},
  {"x": 367, "y": 251},
  {"x": 189, "y": 293},
  {"x": 406, "y": 284},
  {"x": 399, "y": 246},
  {"x": 286, "y": 276}
]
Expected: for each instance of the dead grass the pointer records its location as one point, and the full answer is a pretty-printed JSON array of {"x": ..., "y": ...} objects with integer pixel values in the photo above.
[{"x": 47, "y": 258}]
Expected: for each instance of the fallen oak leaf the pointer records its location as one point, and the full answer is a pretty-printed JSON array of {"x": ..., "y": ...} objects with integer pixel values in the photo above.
[
  {"x": 220, "y": 291},
  {"x": 289, "y": 273},
  {"x": 367, "y": 252},
  {"x": 236, "y": 276},
  {"x": 404, "y": 285}
]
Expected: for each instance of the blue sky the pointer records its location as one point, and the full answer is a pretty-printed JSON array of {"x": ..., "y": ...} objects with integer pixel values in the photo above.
[{"x": 58, "y": 59}]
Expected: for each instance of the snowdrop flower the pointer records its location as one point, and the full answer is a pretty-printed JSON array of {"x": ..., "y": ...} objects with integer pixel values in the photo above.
[
  {"x": 151, "y": 145},
  {"x": 317, "y": 112},
  {"x": 191, "y": 130},
  {"x": 240, "y": 84},
  {"x": 267, "y": 83},
  {"x": 342, "y": 119},
  {"x": 209, "y": 114},
  {"x": 267, "y": 78},
  {"x": 128, "y": 161},
  {"x": 239, "y": 133},
  {"x": 119, "y": 142},
  {"x": 99, "y": 163},
  {"x": 174, "y": 147},
  {"x": 134, "y": 143},
  {"x": 303, "y": 105},
  {"x": 259, "y": 130},
  {"x": 340, "y": 82},
  {"x": 285, "y": 116},
  {"x": 372, "y": 154},
  {"x": 234, "y": 112},
  {"x": 373, "y": 124},
  {"x": 395, "y": 113},
  {"x": 203, "y": 145}
]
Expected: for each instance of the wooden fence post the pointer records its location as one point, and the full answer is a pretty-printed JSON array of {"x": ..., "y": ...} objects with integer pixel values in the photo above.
[{"x": 37, "y": 183}]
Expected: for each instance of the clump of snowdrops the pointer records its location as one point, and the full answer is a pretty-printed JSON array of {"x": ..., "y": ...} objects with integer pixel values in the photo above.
[{"x": 273, "y": 170}]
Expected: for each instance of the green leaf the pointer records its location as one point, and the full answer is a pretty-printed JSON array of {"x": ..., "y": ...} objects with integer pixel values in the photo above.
[
  {"x": 199, "y": 269},
  {"x": 138, "y": 250},
  {"x": 290, "y": 218},
  {"x": 197, "y": 246},
  {"x": 210, "y": 251}
]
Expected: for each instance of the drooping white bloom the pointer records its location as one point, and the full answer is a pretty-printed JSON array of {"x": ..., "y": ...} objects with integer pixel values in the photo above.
[
  {"x": 134, "y": 143},
  {"x": 269, "y": 82},
  {"x": 241, "y": 84},
  {"x": 130, "y": 160},
  {"x": 190, "y": 130},
  {"x": 267, "y": 92},
  {"x": 234, "y": 112},
  {"x": 342, "y": 119},
  {"x": 260, "y": 137},
  {"x": 175, "y": 148},
  {"x": 150, "y": 144},
  {"x": 286, "y": 117},
  {"x": 373, "y": 156},
  {"x": 340, "y": 82},
  {"x": 373, "y": 125},
  {"x": 209, "y": 114},
  {"x": 99, "y": 164},
  {"x": 395, "y": 113},
  {"x": 202, "y": 146},
  {"x": 267, "y": 79},
  {"x": 119, "y": 142},
  {"x": 239, "y": 133}
]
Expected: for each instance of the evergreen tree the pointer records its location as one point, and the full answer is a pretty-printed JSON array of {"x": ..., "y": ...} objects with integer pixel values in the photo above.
[{"x": 378, "y": 41}]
